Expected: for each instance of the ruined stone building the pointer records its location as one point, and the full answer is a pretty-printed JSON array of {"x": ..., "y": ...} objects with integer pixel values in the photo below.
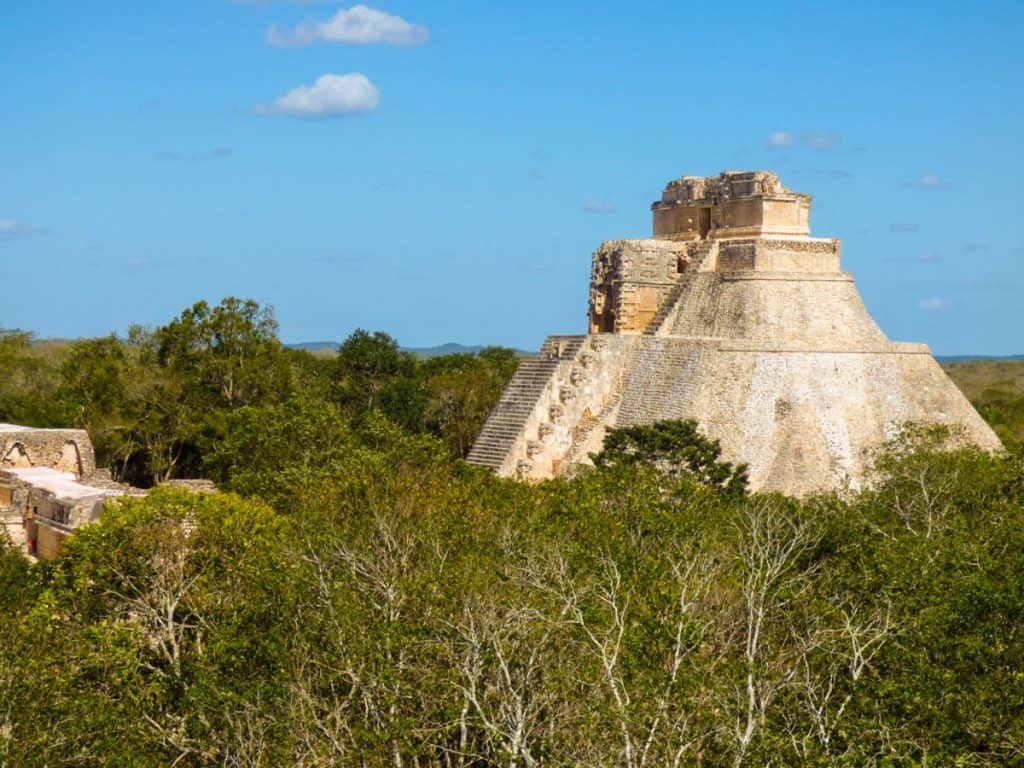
[
  {"x": 733, "y": 316},
  {"x": 49, "y": 485}
]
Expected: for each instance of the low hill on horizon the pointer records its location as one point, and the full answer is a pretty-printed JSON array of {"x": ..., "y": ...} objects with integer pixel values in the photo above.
[
  {"x": 455, "y": 348},
  {"x": 995, "y": 386},
  {"x": 975, "y": 358},
  {"x": 448, "y": 348}
]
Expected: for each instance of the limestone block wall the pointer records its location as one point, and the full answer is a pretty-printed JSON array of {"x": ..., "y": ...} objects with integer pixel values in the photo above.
[
  {"x": 630, "y": 280},
  {"x": 48, "y": 541},
  {"x": 802, "y": 419},
  {"x": 45, "y": 505},
  {"x": 519, "y": 462},
  {"x": 792, "y": 255},
  {"x": 733, "y": 204},
  {"x": 579, "y": 406},
  {"x": 11, "y": 522},
  {"x": 785, "y": 307},
  {"x": 578, "y": 396},
  {"x": 67, "y": 450},
  {"x": 65, "y": 514},
  {"x": 703, "y": 258},
  {"x": 648, "y": 388}
]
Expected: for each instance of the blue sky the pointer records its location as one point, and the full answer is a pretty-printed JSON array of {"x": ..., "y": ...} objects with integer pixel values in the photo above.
[{"x": 452, "y": 178}]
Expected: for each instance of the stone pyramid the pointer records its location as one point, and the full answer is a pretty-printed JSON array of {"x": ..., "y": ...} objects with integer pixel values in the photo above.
[{"x": 731, "y": 315}]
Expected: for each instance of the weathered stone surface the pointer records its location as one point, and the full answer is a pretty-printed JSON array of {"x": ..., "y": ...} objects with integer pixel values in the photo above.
[
  {"x": 68, "y": 450},
  {"x": 734, "y": 317},
  {"x": 734, "y": 204}
]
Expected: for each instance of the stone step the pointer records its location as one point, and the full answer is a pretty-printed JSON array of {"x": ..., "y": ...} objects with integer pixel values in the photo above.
[
  {"x": 491, "y": 457},
  {"x": 509, "y": 434},
  {"x": 672, "y": 299},
  {"x": 666, "y": 306},
  {"x": 511, "y": 415},
  {"x": 506, "y": 422}
]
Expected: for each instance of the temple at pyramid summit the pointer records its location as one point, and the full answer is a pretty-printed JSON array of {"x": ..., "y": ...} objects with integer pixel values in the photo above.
[{"x": 734, "y": 316}]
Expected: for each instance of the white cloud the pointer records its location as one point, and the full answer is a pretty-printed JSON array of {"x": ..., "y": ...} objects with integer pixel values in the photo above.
[
  {"x": 822, "y": 142},
  {"x": 933, "y": 303},
  {"x": 599, "y": 206},
  {"x": 928, "y": 181},
  {"x": 781, "y": 139},
  {"x": 329, "y": 96},
  {"x": 358, "y": 25}
]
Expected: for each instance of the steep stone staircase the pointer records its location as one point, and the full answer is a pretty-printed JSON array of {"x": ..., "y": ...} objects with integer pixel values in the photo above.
[
  {"x": 505, "y": 424},
  {"x": 669, "y": 304},
  {"x": 666, "y": 306}
]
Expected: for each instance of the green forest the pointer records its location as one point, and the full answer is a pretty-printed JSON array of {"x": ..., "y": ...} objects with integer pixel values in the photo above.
[{"x": 358, "y": 595}]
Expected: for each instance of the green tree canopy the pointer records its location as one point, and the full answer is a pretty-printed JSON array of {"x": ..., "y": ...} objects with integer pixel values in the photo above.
[
  {"x": 675, "y": 447},
  {"x": 230, "y": 354}
]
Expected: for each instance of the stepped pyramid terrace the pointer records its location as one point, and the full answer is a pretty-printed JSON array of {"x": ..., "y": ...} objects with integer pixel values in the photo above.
[{"x": 734, "y": 316}]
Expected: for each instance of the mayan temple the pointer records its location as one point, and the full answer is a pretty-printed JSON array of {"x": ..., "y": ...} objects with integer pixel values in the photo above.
[{"x": 734, "y": 316}]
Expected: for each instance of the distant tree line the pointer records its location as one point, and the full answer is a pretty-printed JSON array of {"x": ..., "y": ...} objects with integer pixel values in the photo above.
[{"x": 156, "y": 403}]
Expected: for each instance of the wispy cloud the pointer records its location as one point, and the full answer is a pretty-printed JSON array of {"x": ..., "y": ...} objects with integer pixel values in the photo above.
[
  {"x": 928, "y": 181},
  {"x": 934, "y": 304},
  {"x": 821, "y": 141},
  {"x": 975, "y": 247},
  {"x": 781, "y": 140},
  {"x": 599, "y": 206},
  {"x": 358, "y": 25},
  {"x": 329, "y": 96},
  {"x": 10, "y": 228}
]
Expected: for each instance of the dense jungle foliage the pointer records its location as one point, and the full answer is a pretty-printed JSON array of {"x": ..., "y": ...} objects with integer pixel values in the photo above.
[
  {"x": 157, "y": 404},
  {"x": 360, "y": 596}
]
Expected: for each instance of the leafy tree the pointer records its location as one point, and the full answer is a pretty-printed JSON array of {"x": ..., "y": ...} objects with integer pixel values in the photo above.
[
  {"x": 461, "y": 390},
  {"x": 95, "y": 378},
  {"x": 674, "y": 447},
  {"x": 312, "y": 373},
  {"x": 28, "y": 382},
  {"x": 157, "y": 639},
  {"x": 230, "y": 354},
  {"x": 177, "y": 384},
  {"x": 371, "y": 372}
]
